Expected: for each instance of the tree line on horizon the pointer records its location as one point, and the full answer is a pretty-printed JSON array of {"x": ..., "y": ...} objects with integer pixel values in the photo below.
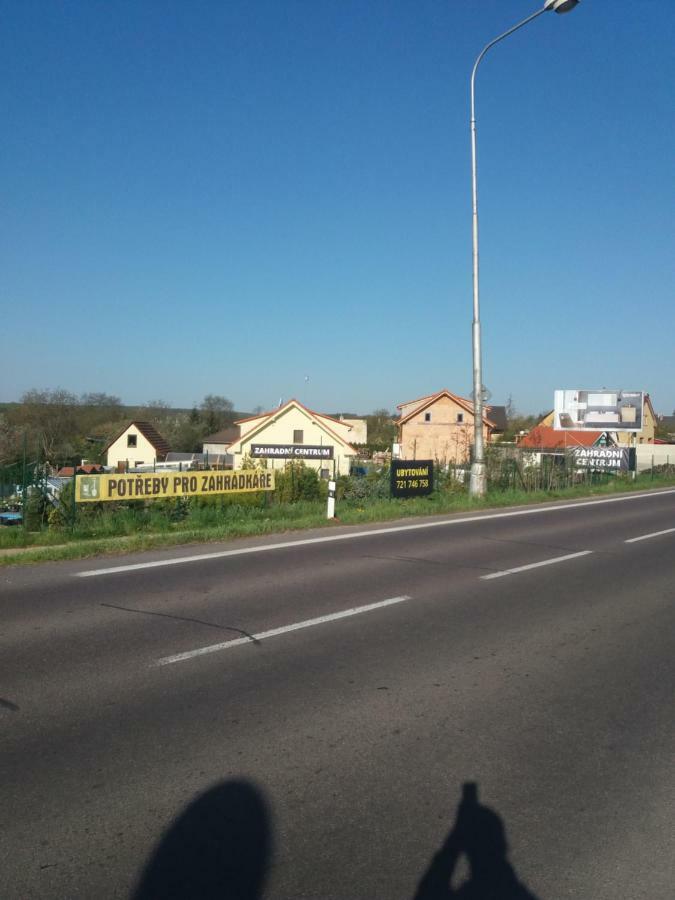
[
  {"x": 61, "y": 427},
  {"x": 64, "y": 428}
]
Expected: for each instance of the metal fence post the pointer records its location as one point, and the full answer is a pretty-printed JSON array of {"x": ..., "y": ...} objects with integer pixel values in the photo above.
[{"x": 73, "y": 511}]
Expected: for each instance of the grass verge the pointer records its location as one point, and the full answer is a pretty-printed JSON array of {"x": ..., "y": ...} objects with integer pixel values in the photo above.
[{"x": 49, "y": 545}]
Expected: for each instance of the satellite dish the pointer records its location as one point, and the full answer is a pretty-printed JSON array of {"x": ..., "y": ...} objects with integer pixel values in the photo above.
[{"x": 487, "y": 394}]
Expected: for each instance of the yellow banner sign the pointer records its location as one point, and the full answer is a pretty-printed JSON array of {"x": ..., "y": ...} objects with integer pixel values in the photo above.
[{"x": 160, "y": 486}]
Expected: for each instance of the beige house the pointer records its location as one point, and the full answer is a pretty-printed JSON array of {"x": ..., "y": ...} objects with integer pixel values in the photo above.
[
  {"x": 359, "y": 430},
  {"x": 138, "y": 444},
  {"x": 440, "y": 427},
  {"x": 294, "y": 432}
]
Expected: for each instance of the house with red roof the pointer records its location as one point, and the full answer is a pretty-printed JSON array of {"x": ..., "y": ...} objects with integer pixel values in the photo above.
[
  {"x": 546, "y": 438},
  {"x": 295, "y": 433},
  {"x": 440, "y": 426}
]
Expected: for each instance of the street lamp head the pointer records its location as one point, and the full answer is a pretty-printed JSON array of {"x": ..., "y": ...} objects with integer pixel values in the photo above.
[{"x": 560, "y": 6}]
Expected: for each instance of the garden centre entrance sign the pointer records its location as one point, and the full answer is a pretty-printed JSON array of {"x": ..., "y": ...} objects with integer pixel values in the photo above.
[
  {"x": 292, "y": 451},
  {"x": 621, "y": 458},
  {"x": 99, "y": 488}
]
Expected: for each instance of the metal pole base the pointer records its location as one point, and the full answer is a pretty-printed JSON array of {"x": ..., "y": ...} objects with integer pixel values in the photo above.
[{"x": 478, "y": 480}]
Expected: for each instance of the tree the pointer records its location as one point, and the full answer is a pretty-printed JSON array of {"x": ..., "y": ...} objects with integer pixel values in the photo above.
[
  {"x": 517, "y": 422},
  {"x": 381, "y": 429},
  {"x": 98, "y": 409},
  {"x": 216, "y": 411},
  {"x": 50, "y": 418},
  {"x": 109, "y": 401},
  {"x": 10, "y": 442}
]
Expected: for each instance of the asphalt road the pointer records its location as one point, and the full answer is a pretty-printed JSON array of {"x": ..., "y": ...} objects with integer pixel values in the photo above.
[{"x": 328, "y": 761}]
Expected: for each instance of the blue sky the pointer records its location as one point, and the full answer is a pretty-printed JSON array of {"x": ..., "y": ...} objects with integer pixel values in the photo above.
[{"x": 271, "y": 198}]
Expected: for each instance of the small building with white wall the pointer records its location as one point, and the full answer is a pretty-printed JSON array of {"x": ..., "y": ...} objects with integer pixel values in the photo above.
[
  {"x": 138, "y": 444},
  {"x": 359, "y": 430}
]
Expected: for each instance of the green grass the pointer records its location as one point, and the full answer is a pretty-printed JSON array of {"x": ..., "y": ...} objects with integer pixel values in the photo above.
[{"x": 133, "y": 529}]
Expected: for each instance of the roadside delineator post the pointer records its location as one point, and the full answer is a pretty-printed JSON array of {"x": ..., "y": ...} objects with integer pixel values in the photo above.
[{"x": 330, "y": 512}]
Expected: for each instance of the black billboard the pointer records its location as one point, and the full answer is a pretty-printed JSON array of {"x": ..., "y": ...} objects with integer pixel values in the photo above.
[
  {"x": 412, "y": 477},
  {"x": 617, "y": 458},
  {"x": 292, "y": 451}
]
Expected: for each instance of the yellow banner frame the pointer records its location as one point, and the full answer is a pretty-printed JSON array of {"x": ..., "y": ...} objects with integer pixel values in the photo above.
[{"x": 164, "y": 485}]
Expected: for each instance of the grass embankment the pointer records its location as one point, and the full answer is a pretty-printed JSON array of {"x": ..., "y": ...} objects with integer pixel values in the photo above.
[{"x": 130, "y": 530}]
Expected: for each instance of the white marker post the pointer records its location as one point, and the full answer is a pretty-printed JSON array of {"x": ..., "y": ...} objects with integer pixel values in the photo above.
[{"x": 330, "y": 512}]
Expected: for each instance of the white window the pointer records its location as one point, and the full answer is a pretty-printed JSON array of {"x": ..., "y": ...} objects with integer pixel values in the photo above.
[{"x": 131, "y": 440}]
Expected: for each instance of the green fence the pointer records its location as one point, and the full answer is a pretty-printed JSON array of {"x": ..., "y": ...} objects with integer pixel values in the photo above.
[
  {"x": 510, "y": 468},
  {"x": 24, "y": 492}
]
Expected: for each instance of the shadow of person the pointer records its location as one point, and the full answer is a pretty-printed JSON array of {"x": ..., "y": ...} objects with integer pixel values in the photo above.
[
  {"x": 478, "y": 834},
  {"x": 219, "y": 847}
]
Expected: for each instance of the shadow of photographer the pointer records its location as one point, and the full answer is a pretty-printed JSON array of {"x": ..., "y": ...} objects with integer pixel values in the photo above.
[
  {"x": 219, "y": 847},
  {"x": 479, "y": 835}
]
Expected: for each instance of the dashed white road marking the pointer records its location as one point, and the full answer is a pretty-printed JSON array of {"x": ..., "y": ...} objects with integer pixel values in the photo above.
[
  {"x": 544, "y": 562},
  {"x": 263, "y": 635},
  {"x": 645, "y": 537}
]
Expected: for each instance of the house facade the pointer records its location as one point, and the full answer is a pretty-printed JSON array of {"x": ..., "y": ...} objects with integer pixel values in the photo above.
[
  {"x": 295, "y": 433},
  {"x": 138, "y": 444},
  {"x": 441, "y": 427}
]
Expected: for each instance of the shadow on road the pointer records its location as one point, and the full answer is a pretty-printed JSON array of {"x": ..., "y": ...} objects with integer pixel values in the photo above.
[
  {"x": 479, "y": 835},
  {"x": 219, "y": 847}
]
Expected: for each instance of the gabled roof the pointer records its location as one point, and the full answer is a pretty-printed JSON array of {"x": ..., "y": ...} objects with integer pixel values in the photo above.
[
  {"x": 432, "y": 398},
  {"x": 267, "y": 417},
  {"x": 149, "y": 432},
  {"x": 224, "y": 436},
  {"x": 418, "y": 400},
  {"x": 648, "y": 401},
  {"x": 543, "y": 437},
  {"x": 273, "y": 412}
]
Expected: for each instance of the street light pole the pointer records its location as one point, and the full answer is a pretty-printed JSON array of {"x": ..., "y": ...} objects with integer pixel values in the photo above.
[{"x": 478, "y": 480}]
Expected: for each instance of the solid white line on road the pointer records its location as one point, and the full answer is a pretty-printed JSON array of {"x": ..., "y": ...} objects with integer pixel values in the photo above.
[
  {"x": 263, "y": 635},
  {"x": 354, "y": 535},
  {"x": 645, "y": 537},
  {"x": 544, "y": 562}
]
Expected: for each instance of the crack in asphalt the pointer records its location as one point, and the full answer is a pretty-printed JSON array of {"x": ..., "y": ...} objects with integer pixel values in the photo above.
[
  {"x": 432, "y": 562},
  {"x": 145, "y": 612}
]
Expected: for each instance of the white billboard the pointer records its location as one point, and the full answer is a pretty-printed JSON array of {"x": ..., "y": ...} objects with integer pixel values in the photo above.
[{"x": 598, "y": 410}]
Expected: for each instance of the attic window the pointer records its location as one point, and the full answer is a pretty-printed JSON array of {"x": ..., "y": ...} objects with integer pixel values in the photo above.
[
  {"x": 427, "y": 417},
  {"x": 298, "y": 436},
  {"x": 460, "y": 417},
  {"x": 131, "y": 440}
]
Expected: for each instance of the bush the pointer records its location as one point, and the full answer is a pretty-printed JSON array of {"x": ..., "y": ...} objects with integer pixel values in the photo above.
[
  {"x": 296, "y": 482},
  {"x": 35, "y": 510},
  {"x": 358, "y": 488}
]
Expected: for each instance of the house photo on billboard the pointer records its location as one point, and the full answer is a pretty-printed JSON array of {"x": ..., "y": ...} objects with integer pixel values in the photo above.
[{"x": 601, "y": 410}]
